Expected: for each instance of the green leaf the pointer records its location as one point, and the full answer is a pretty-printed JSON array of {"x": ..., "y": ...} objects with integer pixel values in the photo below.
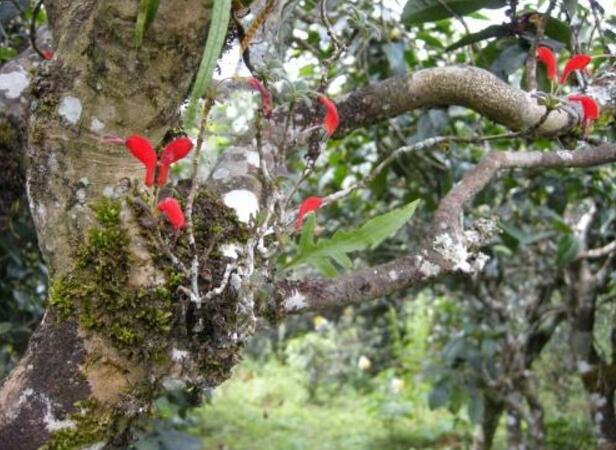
[
  {"x": 321, "y": 255},
  {"x": 145, "y": 17},
  {"x": 558, "y": 30},
  {"x": 486, "y": 33},
  {"x": 570, "y": 6},
  {"x": 567, "y": 250},
  {"x": 510, "y": 60},
  {"x": 476, "y": 407},
  {"x": 420, "y": 11},
  {"x": 439, "y": 396},
  {"x": 221, "y": 13}
]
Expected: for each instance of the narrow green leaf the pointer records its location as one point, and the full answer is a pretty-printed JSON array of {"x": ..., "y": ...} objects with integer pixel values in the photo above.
[
  {"x": 336, "y": 249},
  {"x": 567, "y": 250},
  {"x": 486, "y": 33},
  {"x": 420, "y": 11},
  {"x": 305, "y": 241},
  {"x": 326, "y": 268},
  {"x": 145, "y": 17},
  {"x": 219, "y": 23}
]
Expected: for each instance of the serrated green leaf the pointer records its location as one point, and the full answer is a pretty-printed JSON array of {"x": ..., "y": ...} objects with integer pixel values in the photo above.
[
  {"x": 219, "y": 22},
  {"x": 321, "y": 254},
  {"x": 420, "y": 11},
  {"x": 145, "y": 17}
]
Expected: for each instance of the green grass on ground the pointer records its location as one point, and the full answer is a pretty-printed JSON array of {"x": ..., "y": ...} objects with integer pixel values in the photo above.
[{"x": 266, "y": 407}]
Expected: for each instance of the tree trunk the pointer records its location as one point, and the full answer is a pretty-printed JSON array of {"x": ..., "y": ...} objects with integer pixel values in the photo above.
[
  {"x": 483, "y": 438},
  {"x": 92, "y": 365},
  {"x": 598, "y": 376}
]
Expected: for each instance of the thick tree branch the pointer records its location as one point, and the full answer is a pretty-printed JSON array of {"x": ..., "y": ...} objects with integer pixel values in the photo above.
[{"x": 467, "y": 86}]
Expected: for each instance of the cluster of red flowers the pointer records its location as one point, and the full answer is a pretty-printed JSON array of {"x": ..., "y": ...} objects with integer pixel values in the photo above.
[
  {"x": 141, "y": 148},
  {"x": 331, "y": 121},
  {"x": 576, "y": 62}
]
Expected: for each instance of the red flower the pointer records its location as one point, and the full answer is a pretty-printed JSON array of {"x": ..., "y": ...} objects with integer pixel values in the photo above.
[
  {"x": 266, "y": 96},
  {"x": 47, "y": 54},
  {"x": 174, "y": 151},
  {"x": 589, "y": 106},
  {"x": 576, "y": 62},
  {"x": 141, "y": 149},
  {"x": 332, "y": 119},
  {"x": 307, "y": 206},
  {"x": 173, "y": 212},
  {"x": 547, "y": 57}
]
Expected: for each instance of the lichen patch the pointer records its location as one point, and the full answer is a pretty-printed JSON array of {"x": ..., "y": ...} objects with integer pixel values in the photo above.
[
  {"x": 244, "y": 202},
  {"x": 14, "y": 83},
  {"x": 70, "y": 109}
]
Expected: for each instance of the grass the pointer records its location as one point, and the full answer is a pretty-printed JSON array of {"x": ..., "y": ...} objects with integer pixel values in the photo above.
[{"x": 267, "y": 407}]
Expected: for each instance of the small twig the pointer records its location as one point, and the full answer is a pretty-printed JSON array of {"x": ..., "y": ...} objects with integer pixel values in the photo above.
[
  {"x": 35, "y": 10},
  {"x": 598, "y": 252},
  {"x": 168, "y": 253},
  {"x": 418, "y": 146},
  {"x": 338, "y": 46},
  {"x": 594, "y": 6},
  {"x": 223, "y": 283},
  {"x": 194, "y": 268}
]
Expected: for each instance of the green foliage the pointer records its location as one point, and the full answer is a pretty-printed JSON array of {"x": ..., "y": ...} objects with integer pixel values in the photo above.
[
  {"x": 568, "y": 247},
  {"x": 368, "y": 236},
  {"x": 145, "y": 17},
  {"x": 219, "y": 22},
  {"x": 420, "y": 11},
  {"x": 23, "y": 280}
]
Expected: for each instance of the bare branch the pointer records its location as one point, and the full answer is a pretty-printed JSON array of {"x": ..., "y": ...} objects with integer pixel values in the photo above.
[{"x": 598, "y": 252}]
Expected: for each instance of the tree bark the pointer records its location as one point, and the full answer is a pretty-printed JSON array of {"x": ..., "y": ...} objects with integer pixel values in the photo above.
[
  {"x": 97, "y": 83},
  {"x": 483, "y": 438}
]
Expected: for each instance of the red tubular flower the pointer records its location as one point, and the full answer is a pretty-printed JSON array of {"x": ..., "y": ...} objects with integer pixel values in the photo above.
[
  {"x": 576, "y": 62},
  {"x": 547, "y": 57},
  {"x": 173, "y": 212},
  {"x": 47, "y": 54},
  {"x": 589, "y": 106},
  {"x": 266, "y": 97},
  {"x": 307, "y": 206},
  {"x": 174, "y": 151},
  {"x": 331, "y": 119},
  {"x": 141, "y": 149}
]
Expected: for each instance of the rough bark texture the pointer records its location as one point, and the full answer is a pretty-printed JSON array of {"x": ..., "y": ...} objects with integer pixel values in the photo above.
[{"x": 98, "y": 83}]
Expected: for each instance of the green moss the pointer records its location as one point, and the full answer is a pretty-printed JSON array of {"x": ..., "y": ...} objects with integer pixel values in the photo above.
[
  {"x": 97, "y": 291},
  {"x": 95, "y": 422}
]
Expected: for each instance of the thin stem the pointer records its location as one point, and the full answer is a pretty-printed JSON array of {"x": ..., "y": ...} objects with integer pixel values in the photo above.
[{"x": 194, "y": 268}]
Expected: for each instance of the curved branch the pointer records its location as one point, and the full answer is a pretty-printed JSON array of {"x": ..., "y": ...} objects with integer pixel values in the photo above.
[
  {"x": 446, "y": 249},
  {"x": 467, "y": 86}
]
